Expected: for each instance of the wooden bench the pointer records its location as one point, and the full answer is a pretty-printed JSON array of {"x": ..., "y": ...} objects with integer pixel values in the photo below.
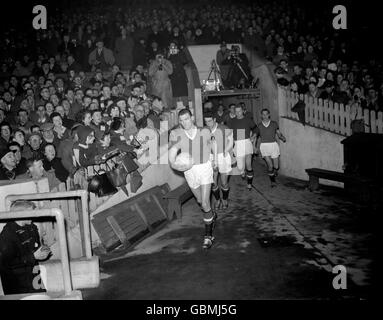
[
  {"x": 176, "y": 198},
  {"x": 365, "y": 185}
]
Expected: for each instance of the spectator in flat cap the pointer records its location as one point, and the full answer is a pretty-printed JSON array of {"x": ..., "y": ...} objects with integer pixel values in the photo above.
[{"x": 101, "y": 57}]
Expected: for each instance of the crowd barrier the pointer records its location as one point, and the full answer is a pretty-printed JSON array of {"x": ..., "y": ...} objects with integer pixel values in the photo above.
[{"x": 329, "y": 115}]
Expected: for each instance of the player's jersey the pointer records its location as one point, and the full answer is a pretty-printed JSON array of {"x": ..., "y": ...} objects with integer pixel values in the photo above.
[
  {"x": 198, "y": 146},
  {"x": 242, "y": 128},
  {"x": 220, "y": 135},
  {"x": 267, "y": 134}
]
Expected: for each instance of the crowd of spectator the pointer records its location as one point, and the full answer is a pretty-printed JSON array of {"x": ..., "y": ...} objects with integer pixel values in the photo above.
[{"x": 98, "y": 75}]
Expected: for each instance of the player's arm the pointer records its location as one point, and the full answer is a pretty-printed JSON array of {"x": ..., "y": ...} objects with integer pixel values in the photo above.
[
  {"x": 280, "y": 135},
  {"x": 229, "y": 142},
  {"x": 253, "y": 129},
  {"x": 255, "y": 136},
  {"x": 173, "y": 151}
]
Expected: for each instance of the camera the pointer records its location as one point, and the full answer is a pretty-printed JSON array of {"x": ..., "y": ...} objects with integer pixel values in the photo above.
[
  {"x": 356, "y": 98},
  {"x": 160, "y": 67}
]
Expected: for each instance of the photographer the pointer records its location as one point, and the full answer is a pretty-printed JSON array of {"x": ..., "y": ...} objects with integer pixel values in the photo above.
[
  {"x": 239, "y": 70},
  {"x": 178, "y": 78},
  {"x": 159, "y": 71}
]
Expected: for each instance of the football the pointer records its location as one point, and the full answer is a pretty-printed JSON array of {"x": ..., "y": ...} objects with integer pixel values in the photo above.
[{"x": 184, "y": 159}]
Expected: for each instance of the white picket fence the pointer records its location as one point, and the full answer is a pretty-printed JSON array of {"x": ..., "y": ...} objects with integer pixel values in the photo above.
[{"x": 329, "y": 115}]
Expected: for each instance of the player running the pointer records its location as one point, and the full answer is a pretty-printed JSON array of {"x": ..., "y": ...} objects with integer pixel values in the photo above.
[
  {"x": 222, "y": 142},
  {"x": 243, "y": 132},
  {"x": 188, "y": 138},
  {"x": 267, "y": 130}
]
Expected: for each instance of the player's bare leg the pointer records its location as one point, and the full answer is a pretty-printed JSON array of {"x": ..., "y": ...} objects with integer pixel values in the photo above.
[
  {"x": 249, "y": 171},
  {"x": 270, "y": 170},
  {"x": 275, "y": 166},
  {"x": 225, "y": 189},
  {"x": 216, "y": 191},
  {"x": 208, "y": 216},
  {"x": 197, "y": 195}
]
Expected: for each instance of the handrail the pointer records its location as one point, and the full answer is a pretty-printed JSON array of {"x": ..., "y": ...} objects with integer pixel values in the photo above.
[
  {"x": 83, "y": 194},
  {"x": 57, "y": 213}
]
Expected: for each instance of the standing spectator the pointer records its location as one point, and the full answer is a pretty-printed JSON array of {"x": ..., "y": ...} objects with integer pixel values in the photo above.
[
  {"x": 140, "y": 54},
  {"x": 159, "y": 71},
  {"x": 101, "y": 57},
  {"x": 178, "y": 78},
  {"x": 124, "y": 47},
  {"x": 222, "y": 55}
]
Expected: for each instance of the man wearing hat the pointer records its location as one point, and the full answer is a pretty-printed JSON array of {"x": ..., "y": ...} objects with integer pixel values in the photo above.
[
  {"x": 101, "y": 57},
  {"x": 7, "y": 164},
  {"x": 48, "y": 135}
]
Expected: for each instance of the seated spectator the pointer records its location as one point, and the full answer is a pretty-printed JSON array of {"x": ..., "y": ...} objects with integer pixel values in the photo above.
[
  {"x": 36, "y": 171},
  {"x": 23, "y": 121},
  {"x": 59, "y": 130},
  {"x": 155, "y": 112},
  {"x": 40, "y": 116},
  {"x": 104, "y": 145},
  {"x": 51, "y": 162},
  {"x": 328, "y": 92},
  {"x": 5, "y": 133},
  {"x": 8, "y": 164},
  {"x": 372, "y": 102},
  {"x": 280, "y": 55},
  {"x": 118, "y": 135},
  {"x": 19, "y": 137},
  {"x": 21, "y": 163},
  {"x": 20, "y": 252},
  {"x": 66, "y": 122},
  {"x": 97, "y": 124},
  {"x": 48, "y": 135},
  {"x": 343, "y": 94},
  {"x": 33, "y": 148},
  {"x": 313, "y": 92},
  {"x": 85, "y": 150}
]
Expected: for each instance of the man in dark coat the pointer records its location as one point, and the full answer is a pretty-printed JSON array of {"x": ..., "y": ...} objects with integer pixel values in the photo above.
[
  {"x": 124, "y": 50},
  {"x": 178, "y": 78},
  {"x": 20, "y": 251}
]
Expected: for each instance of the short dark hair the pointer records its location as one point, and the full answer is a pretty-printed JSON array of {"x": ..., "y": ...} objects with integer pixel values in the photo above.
[
  {"x": 116, "y": 123},
  {"x": 136, "y": 85},
  {"x": 208, "y": 114},
  {"x": 184, "y": 111},
  {"x": 4, "y": 123},
  {"x": 13, "y": 144},
  {"x": 55, "y": 114},
  {"x": 35, "y": 158},
  {"x": 265, "y": 109}
]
